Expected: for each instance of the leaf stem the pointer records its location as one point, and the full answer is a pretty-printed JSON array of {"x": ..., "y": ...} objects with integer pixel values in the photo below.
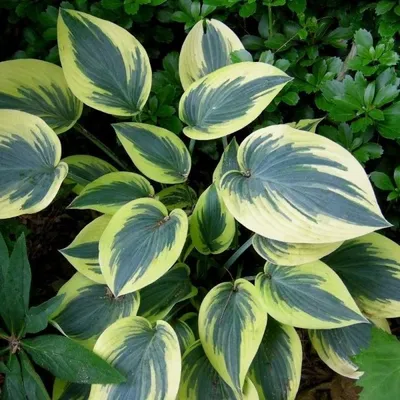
[
  {"x": 101, "y": 146},
  {"x": 270, "y": 20},
  {"x": 238, "y": 253},
  {"x": 191, "y": 145},
  {"x": 224, "y": 142}
]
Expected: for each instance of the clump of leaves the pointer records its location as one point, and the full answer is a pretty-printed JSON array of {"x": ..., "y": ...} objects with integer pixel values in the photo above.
[
  {"x": 20, "y": 344},
  {"x": 385, "y": 183}
]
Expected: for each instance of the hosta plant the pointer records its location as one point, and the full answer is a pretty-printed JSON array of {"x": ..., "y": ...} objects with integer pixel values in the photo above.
[{"x": 154, "y": 294}]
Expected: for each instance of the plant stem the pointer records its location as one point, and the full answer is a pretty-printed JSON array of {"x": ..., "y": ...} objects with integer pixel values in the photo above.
[
  {"x": 270, "y": 20},
  {"x": 101, "y": 146},
  {"x": 191, "y": 145},
  {"x": 224, "y": 142},
  {"x": 345, "y": 66},
  {"x": 238, "y": 252}
]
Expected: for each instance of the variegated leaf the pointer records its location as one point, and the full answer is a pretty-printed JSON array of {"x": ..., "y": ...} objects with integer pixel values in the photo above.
[
  {"x": 232, "y": 321},
  {"x": 83, "y": 252},
  {"x": 206, "y": 48},
  {"x": 300, "y": 188},
  {"x": 200, "y": 381},
  {"x": 309, "y": 125},
  {"x": 228, "y": 161},
  {"x": 140, "y": 244},
  {"x": 157, "y": 153},
  {"x": 83, "y": 169},
  {"x": 177, "y": 196},
  {"x": 281, "y": 253},
  {"x": 184, "y": 333},
  {"x": 276, "y": 368},
  {"x": 110, "y": 192},
  {"x": 148, "y": 356},
  {"x": 228, "y": 99},
  {"x": 158, "y": 298},
  {"x": 307, "y": 296},
  {"x": 212, "y": 227},
  {"x": 30, "y": 169},
  {"x": 39, "y": 88},
  {"x": 88, "y": 308},
  {"x": 370, "y": 268},
  {"x": 63, "y": 390},
  {"x": 104, "y": 65}
]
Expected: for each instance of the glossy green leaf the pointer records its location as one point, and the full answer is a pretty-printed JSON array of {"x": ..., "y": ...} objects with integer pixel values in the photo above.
[
  {"x": 83, "y": 252},
  {"x": 307, "y": 296},
  {"x": 232, "y": 321},
  {"x": 15, "y": 290},
  {"x": 83, "y": 169},
  {"x": 157, "y": 153},
  {"x": 34, "y": 387},
  {"x": 13, "y": 387},
  {"x": 276, "y": 368},
  {"x": 110, "y": 192},
  {"x": 147, "y": 355},
  {"x": 88, "y": 308},
  {"x": 211, "y": 225},
  {"x": 300, "y": 188},
  {"x": 67, "y": 360},
  {"x": 228, "y": 99},
  {"x": 30, "y": 169},
  {"x": 370, "y": 268},
  {"x": 140, "y": 244},
  {"x": 39, "y": 88},
  {"x": 104, "y": 65},
  {"x": 37, "y": 318},
  {"x": 281, "y": 253},
  {"x": 158, "y": 298},
  {"x": 63, "y": 390},
  {"x": 207, "y": 47}
]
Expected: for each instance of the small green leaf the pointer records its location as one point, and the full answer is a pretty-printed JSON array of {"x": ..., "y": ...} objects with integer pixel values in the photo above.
[
  {"x": 364, "y": 38},
  {"x": 291, "y": 98},
  {"x": 376, "y": 114},
  {"x": 382, "y": 181},
  {"x": 368, "y": 151},
  {"x": 238, "y": 56},
  {"x": 393, "y": 196},
  {"x": 34, "y": 387},
  {"x": 13, "y": 388},
  {"x": 70, "y": 361},
  {"x": 396, "y": 176},
  {"x": 247, "y": 9},
  {"x": 384, "y": 6},
  {"x": 380, "y": 364},
  {"x": 297, "y": 6},
  {"x": 14, "y": 297},
  {"x": 37, "y": 317}
]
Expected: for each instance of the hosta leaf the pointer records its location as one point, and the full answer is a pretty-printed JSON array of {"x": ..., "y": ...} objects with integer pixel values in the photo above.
[
  {"x": 83, "y": 252},
  {"x": 281, "y": 253},
  {"x": 276, "y": 368},
  {"x": 157, "y": 153},
  {"x": 206, "y": 48},
  {"x": 104, "y": 65},
  {"x": 110, "y": 192},
  {"x": 228, "y": 99},
  {"x": 232, "y": 321},
  {"x": 184, "y": 333},
  {"x": 228, "y": 161},
  {"x": 39, "y": 88},
  {"x": 30, "y": 169},
  {"x": 63, "y": 390},
  {"x": 157, "y": 299},
  {"x": 309, "y": 125},
  {"x": 370, "y": 268},
  {"x": 212, "y": 227},
  {"x": 88, "y": 308},
  {"x": 300, "y": 188},
  {"x": 83, "y": 169},
  {"x": 336, "y": 347},
  {"x": 177, "y": 196},
  {"x": 307, "y": 296},
  {"x": 200, "y": 381},
  {"x": 140, "y": 244},
  {"x": 148, "y": 356}
]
